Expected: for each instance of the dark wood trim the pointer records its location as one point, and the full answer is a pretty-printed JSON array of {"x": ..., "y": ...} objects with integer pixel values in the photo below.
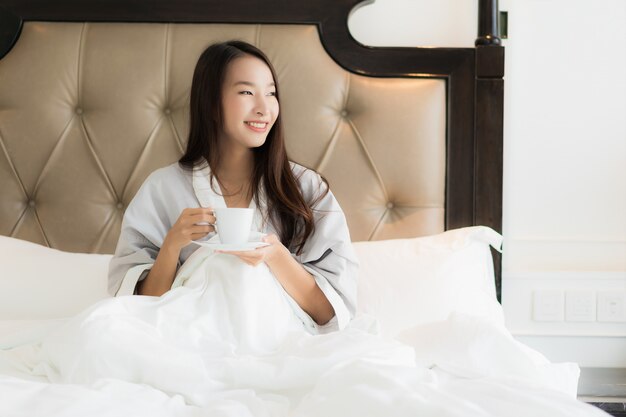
[
  {"x": 490, "y": 62},
  {"x": 460, "y": 147},
  {"x": 488, "y": 159},
  {"x": 488, "y": 33},
  {"x": 181, "y": 11},
  {"x": 489, "y": 117},
  {"x": 488, "y": 155},
  {"x": 10, "y": 30},
  {"x": 333, "y": 28},
  {"x": 489, "y": 111}
]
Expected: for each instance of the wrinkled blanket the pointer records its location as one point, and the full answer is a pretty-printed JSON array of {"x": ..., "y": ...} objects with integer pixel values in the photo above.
[{"x": 225, "y": 342}]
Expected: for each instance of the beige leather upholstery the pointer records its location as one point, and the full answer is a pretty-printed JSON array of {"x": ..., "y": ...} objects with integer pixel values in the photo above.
[{"x": 87, "y": 111}]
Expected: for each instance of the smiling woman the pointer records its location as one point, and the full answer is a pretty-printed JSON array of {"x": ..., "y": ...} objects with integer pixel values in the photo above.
[
  {"x": 236, "y": 157},
  {"x": 264, "y": 105},
  {"x": 249, "y": 105}
]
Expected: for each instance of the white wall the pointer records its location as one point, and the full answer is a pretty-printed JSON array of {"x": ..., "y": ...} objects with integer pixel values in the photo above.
[
  {"x": 564, "y": 208},
  {"x": 565, "y": 170}
]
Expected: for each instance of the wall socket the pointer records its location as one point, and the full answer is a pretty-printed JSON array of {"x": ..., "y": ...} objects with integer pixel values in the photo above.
[
  {"x": 580, "y": 305},
  {"x": 612, "y": 306}
]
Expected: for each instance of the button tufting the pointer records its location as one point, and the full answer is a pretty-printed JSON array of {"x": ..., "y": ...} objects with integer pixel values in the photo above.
[
  {"x": 390, "y": 205},
  {"x": 167, "y": 111},
  {"x": 344, "y": 113},
  {"x": 120, "y": 205},
  {"x": 31, "y": 203},
  {"x": 79, "y": 110}
]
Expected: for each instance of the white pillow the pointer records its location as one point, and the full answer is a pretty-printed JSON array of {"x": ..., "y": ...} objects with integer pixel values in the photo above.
[
  {"x": 37, "y": 282},
  {"x": 408, "y": 282}
]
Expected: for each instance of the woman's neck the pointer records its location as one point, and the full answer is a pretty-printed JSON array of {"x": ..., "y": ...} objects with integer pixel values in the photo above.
[
  {"x": 235, "y": 167},
  {"x": 234, "y": 175}
]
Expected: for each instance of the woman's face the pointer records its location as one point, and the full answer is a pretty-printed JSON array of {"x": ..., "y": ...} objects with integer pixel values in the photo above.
[{"x": 249, "y": 104}]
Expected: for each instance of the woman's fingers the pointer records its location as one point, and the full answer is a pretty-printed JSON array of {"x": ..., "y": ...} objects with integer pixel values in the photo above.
[
  {"x": 196, "y": 236},
  {"x": 201, "y": 216},
  {"x": 251, "y": 257},
  {"x": 197, "y": 210},
  {"x": 192, "y": 223},
  {"x": 249, "y": 261},
  {"x": 196, "y": 229}
]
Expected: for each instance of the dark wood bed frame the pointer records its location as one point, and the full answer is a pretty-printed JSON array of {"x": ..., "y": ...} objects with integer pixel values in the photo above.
[{"x": 474, "y": 76}]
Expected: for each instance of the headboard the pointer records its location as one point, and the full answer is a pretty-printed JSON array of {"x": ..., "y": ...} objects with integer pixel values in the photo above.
[{"x": 93, "y": 97}]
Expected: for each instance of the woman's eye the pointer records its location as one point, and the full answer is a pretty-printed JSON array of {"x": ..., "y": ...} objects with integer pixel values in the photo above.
[
  {"x": 249, "y": 93},
  {"x": 273, "y": 94}
]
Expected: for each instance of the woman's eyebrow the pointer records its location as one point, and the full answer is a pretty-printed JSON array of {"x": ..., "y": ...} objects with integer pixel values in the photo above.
[{"x": 272, "y": 84}]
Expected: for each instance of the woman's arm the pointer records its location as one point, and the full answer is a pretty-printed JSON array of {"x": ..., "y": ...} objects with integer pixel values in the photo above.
[
  {"x": 301, "y": 286},
  {"x": 160, "y": 278},
  {"x": 193, "y": 223}
]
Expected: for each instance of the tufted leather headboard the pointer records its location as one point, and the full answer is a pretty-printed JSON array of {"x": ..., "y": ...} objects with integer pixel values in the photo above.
[{"x": 93, "y": 97}]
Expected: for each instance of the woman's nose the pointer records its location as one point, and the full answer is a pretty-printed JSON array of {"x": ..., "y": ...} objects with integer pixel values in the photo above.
[{"x": 262, "y": 106}]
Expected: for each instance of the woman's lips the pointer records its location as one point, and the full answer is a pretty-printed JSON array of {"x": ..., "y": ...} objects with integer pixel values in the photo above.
[{"x": 257, "y": 126}]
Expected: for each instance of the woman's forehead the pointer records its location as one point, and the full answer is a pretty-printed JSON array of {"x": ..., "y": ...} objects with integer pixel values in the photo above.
[{"x": 248, "y": 70}]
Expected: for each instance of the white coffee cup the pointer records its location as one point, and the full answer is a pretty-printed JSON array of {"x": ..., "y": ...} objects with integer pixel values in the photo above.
[{"x": 233, "y": 224}]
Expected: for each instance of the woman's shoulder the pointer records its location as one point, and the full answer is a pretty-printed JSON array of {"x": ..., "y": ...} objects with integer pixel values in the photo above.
[
  {"x": 164, "y": 187},
  {"x": 312, "y": 184},
  {"x": 170, "y": 180},
  {"x": 304, "y": 175},
  {"x": 170, "y": 175}
]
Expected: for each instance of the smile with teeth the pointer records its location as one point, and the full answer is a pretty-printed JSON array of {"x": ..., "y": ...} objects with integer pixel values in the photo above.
[{"x": 258, "y": 126}]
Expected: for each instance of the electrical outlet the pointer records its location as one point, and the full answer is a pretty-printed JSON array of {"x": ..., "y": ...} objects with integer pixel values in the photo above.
[
  {"x": 548, "y": 305},
  {"x": 612, "y": 306},
  {"x": 580, "y": 306}
]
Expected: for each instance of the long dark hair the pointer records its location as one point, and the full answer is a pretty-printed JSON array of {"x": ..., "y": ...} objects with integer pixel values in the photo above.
[{"x": 287, "y": 208}]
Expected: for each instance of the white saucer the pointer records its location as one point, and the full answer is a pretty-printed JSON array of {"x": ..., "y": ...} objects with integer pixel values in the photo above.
[{"x": 215, "y": 244}]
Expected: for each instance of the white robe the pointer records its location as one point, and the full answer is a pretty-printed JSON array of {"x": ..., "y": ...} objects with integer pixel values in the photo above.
[{"x": 327, "y": 254}]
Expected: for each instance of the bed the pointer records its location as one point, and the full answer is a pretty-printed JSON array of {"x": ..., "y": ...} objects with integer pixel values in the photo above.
[{"x": 93, "y": 98}]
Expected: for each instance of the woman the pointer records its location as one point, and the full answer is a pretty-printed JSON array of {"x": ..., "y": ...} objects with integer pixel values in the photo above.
[
  {"x": 236, "y": 157},
  {"x": 223, "y": 330}
]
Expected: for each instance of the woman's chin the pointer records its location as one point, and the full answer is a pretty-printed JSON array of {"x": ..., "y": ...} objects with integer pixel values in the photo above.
[{"x": 256, "y": 143}]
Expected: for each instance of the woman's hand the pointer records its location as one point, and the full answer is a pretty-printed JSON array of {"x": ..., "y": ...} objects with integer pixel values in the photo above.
[
  {"x": 192, "y": 224},
  {"x": 263, "y": 254}
]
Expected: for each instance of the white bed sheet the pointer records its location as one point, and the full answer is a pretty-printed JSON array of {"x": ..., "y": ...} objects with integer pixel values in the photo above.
[
  {"x": 131, "y": 356},
  {"x": 486, "y": 374}
]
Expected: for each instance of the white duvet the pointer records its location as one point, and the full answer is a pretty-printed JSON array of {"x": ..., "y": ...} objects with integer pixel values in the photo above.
[{"x": 226, "y": 342}]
